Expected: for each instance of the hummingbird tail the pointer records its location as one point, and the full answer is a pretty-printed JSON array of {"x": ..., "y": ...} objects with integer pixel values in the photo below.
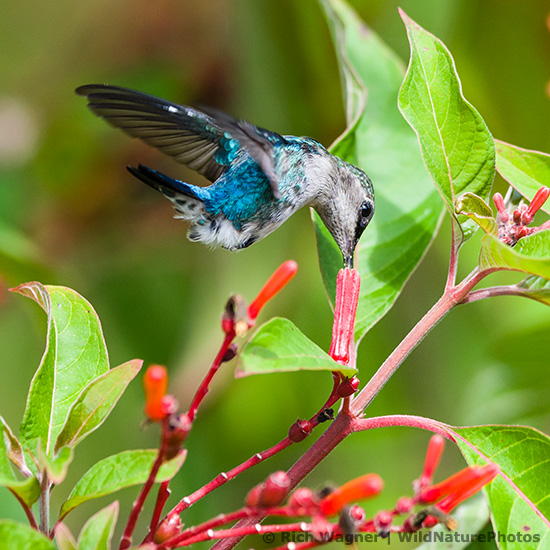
[{"x": 169, "y": 187}]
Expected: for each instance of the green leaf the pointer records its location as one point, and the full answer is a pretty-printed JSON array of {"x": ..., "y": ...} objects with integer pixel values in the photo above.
[
  {"x": 457, "y": 147},
  {"x": 64, "y": 538},
  {"x": 75, "y": 354},
  {"x": 526, "y": 171},
  {"x": 28, "y": 490},
  {"x": 13, "y": 450},
  {"x": 477, "y": 210},
  {"x": 408, "y": 208},
  {"x": 16, "y": 536},
  {"x": 96, "y": 402},
  {"x": 520, "y": 496},
  {"x": 280, "y": 346},
  {"x": 471, "y": 517},
  {"x": 98, "y": 530},
  {"x": 56, "y": 467},
  {"x": 536, "y": 288},
  {"x": 118, "y": 472},
  {"x": 530, "y": 255}
]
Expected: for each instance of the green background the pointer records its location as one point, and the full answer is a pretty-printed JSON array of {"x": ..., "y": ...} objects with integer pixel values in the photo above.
[{"x": 71, "y": 215}]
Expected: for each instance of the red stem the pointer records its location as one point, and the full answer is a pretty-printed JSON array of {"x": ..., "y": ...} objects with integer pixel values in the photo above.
[
  {"x": 224, "y": 477},
  {"x": 450, "y": 299},
  {"x": 162, "y": 497},
  {"x": 203, "y": 388},
  {"x": 126, "y": 540},
  {"x": 26, "y": 509},
  {"x": 254, "y": 529}
]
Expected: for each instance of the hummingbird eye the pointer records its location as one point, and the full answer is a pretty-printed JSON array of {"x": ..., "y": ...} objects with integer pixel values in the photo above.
[{"x": 366, "y": 213}]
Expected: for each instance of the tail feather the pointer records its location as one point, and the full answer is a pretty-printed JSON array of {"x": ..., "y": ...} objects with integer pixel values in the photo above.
[{"x": 169, "y": 187}]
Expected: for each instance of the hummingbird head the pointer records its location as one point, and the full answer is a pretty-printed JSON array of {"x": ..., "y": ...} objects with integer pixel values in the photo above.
[{"x": 346, "y": 206}]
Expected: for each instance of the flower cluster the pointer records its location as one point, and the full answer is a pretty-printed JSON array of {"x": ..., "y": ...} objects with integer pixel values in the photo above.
[{"x": 513, "y": 227}]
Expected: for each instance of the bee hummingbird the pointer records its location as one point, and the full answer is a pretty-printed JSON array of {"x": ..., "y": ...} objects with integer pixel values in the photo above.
[{"x": 259, "y": 178}]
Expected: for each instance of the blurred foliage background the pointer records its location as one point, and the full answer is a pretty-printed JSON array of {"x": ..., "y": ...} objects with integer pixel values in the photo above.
[{"x": 71, "y": 215}]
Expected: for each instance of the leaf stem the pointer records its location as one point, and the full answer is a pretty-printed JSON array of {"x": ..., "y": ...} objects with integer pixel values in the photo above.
[{"x": 453, "y": 260}]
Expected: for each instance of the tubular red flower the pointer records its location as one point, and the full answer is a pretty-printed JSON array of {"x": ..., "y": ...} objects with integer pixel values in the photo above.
[
  {"x": 459, "y": 484},
  {"x": 484, "y": 475},
  {"x": 361, "y": 488},
  {"x": 155, "y": 384},
  {"x": 433, "y": 456},
  {"x": 348, "y": 285},
  {"x": 536, "y": 204},
  {"x": 280, "y": 278}
]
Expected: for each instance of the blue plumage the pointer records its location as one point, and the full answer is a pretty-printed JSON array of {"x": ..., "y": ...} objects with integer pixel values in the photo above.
[{"x": 259, "y": 178}]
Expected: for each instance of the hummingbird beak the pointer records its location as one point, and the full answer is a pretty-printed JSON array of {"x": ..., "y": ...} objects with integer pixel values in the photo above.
[{"x": 348, "y": 261}]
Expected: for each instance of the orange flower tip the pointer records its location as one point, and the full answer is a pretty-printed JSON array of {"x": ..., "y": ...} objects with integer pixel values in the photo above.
[
  {"x": 361, "y": 488},
  {"x": 280, "y": 278},
  {"x": 156, "y": 373}
]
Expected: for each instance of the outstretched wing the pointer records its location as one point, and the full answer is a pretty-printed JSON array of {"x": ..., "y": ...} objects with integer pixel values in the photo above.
[{"x": 204, "y": 143}]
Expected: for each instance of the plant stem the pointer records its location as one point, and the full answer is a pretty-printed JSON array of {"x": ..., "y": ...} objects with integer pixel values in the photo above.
[
  {"x": 363, "y": 424},
  {"x": 510, "y": 290},
  {"x": 126, "y": 540},
  {"x": 450, "y": 298},
  {"x": 253, "y": 529},
  {"x": 453, "y": 260},
  {"x": 203, "y": 388},
  {"x": 162, "y": 497},
  {"x": 27, "y": 509},
  {"x": 224, "y": 477},
  {"x": 44, "y": 504}
]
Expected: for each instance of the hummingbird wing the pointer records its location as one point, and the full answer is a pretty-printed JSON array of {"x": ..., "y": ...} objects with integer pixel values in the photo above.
[{"x": 207, "y": 144}]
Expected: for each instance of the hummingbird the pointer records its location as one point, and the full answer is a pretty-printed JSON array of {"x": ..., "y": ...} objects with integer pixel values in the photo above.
[{"x": 259, "y": 178}]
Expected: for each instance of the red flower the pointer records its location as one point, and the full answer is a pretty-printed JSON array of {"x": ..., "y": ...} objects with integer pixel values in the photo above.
[
  {"x": 280, "y": 278},
  {"x": 361, "y": 488},
  {"x": 155, "y": 384}
]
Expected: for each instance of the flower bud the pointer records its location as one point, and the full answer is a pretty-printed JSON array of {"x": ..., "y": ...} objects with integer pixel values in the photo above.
[
  {"x": 168, "y": 529},
  {"x": 155, "y": 383},
  {"x": 274, "y": 491},
  {"x": 252, "y": 499},
  {"x": 404, "y": 505},
  {"x": 348, "y": 387},
  {"x": 299, "y": 430},
  {"x": 303, "y": 499}
]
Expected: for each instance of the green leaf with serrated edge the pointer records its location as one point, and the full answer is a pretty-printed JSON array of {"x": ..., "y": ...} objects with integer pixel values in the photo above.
[
  {"x": 98, "y": 530},
  {"x": 117, "y": 472},
  {"x": 64, "y": 538},
  {"x": 530, "y": 255},
  {"x": 408, "y": 208},
  {"x": 280, "y": 346},
  {"x": 536, "y": 288},
  {"x": 56, "y": 467},
  {"x": 520, "y": 496},
  {"x": 471, "y": 517},
  {"x": 17, "y": 536},
  {"x": 75, "y": 354},
  {"x": 457, "y": 147},
  {"x": 13, "y": 449},
  {"x": 477, "y": 210},
  {"x": 526, "y": 171},
  {"x": 96, "y": 402}
]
